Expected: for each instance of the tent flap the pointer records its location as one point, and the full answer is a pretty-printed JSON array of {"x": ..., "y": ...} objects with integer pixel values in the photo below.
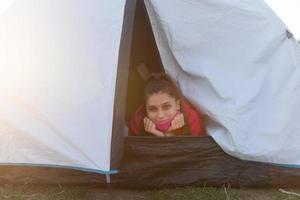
[{"x": 234, "y": 60}]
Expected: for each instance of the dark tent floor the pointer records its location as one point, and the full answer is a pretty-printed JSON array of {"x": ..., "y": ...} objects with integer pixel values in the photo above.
[{"x": 151, "y": 162}]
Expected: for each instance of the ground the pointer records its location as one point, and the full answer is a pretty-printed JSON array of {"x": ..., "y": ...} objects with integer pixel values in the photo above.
[{"x": 58, "y": 192}]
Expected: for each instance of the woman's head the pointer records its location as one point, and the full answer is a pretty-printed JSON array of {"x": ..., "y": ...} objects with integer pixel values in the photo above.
[{"x": 162, "y": 98}]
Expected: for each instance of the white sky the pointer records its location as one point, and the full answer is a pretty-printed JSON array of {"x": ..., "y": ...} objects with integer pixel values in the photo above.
[{"x": 289, "y": 12}]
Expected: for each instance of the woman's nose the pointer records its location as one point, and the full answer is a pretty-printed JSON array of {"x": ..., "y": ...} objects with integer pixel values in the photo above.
[{"x": 160, "y": 114}]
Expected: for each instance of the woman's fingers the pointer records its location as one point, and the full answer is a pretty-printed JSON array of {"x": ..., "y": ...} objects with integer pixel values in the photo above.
[
  {"x": 147, "y": 124},
  {"x": 181, "y": 120},
  {"x": 177, "y": 122},
  {"x": 151, "y": 128}
]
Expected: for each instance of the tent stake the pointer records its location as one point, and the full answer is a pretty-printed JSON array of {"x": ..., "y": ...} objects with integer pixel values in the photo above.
[{"x": 107, "y": 178}]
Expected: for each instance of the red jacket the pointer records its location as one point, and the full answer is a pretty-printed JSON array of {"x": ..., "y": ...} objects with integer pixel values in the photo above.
[{"x": 194, "y": 124}]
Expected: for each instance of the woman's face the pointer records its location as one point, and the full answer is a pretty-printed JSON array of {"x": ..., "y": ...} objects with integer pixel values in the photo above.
[{"x": 161, "y": 106}]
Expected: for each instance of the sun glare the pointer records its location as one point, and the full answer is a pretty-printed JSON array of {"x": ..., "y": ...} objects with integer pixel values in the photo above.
[{"x": 4, "y": 4}]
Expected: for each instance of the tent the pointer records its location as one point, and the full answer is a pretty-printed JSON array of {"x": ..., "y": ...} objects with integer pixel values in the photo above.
[{"x": 68, "y": 82}]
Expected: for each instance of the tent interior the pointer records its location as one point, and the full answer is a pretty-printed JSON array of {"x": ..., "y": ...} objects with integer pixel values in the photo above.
[
  {"x": 152, "y": 162},
  {"x": 143, "y": 51}
]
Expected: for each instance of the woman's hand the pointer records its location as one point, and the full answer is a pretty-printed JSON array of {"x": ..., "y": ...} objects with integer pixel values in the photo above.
[
  {"x": 177, "y": 122},
  {"x": 151, "y": 128}
]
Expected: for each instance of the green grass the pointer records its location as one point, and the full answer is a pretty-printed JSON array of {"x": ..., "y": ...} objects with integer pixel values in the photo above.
[
  {"x": 196, "y": 193},
  {"x": 11, "y": 192},
  {"x": 30, "y": 192}
]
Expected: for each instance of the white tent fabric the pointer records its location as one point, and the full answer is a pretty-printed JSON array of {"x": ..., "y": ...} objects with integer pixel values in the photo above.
[
  {"x": 58, "y": 63},
  {"x": 233, "y": 59}
]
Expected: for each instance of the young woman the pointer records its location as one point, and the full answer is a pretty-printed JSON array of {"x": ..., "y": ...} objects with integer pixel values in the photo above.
[{"x": 165, "y": 112}]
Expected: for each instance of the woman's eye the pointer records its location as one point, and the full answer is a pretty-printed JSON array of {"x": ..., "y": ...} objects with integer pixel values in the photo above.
[
  {"x": 152, "y": 109},
  {"x": 166, "y": 107}
]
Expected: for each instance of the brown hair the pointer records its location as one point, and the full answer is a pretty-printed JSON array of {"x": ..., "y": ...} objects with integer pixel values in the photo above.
[{"x": 160, "y": 83}]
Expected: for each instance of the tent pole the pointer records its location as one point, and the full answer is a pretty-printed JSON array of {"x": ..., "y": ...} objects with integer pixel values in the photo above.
[{"x": 107, "y": 176}]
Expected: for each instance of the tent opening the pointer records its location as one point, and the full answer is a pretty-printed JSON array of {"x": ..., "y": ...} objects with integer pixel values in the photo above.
[{"x": 144, "y": 52}]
